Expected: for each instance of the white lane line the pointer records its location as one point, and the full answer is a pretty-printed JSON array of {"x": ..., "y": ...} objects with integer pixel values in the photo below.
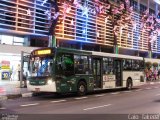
[
  {"x": 148, "y": 88},
  {"x": 151, "y": 83},
  {"x": 80, "y": 98},
  {"x": 58, "y": 101},
  {"x": 158, "y": 95},
  {"x": 100, "y": 95},
  {"x": 115, "y": 93},
  {"x": 29, "y": 104},
  {"x": 2, "y": 108},
  {"x": 97, "y": 107},
  {"x": 138, "y": 90},
  {"x": 127, "y": 91},
  {"x": 156, "y": 87}
]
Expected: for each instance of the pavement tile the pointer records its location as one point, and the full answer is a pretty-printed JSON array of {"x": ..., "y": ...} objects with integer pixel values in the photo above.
[{"x": 11, "y": 90}]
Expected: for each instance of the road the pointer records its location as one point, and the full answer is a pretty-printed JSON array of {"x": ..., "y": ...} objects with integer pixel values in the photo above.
[{"x": 142, "y": 100}]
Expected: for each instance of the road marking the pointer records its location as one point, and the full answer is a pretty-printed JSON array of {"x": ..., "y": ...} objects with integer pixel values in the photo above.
[
  {"x": 151, "y": 83},
  {"x": 58, "y": 101},
  {"x": 100, "y": 95},
  {"x": 138, "y": 90},
  {"x": 148, "y": 88},
  {"x": 115, "y": 93},
  {"x": 29, "y": 104},
  {"x": 2, "y": 108},
  {"x": 97, "y": 107},
  {"x": 127, "y": 91},
  {"x": 80, "y": 98},
  {"x": 156, "y": 87},
  {"x": 158, "y": 95},
  {"x": 27, "y": 95}
]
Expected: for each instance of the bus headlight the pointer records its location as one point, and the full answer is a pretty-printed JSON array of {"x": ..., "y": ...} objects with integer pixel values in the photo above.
[
  {"x": 27, "y": 81},
  {"x": 49, "y": 82}
]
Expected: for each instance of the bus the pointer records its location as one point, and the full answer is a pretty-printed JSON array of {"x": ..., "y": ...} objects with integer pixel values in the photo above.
[{"x": 63, "y": 70}]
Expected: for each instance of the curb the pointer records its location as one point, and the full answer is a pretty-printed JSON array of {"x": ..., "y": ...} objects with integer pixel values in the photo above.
[{"x": 6, "y": 97}]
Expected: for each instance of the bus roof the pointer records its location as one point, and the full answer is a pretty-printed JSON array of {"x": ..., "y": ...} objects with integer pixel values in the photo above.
[
  {"x": 116, "y": 55},
  {"x": 84, "y": 52},
  {"x": 69, "y": 50},
  {"x": 152, "y": 60}
]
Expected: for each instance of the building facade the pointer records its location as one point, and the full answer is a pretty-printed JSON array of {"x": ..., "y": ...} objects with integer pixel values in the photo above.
[{"x": 25, "y": 24}]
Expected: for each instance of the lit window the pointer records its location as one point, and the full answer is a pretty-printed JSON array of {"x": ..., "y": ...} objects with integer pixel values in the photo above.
[
  {"x": 18, "y": 39},
  {"x": 7, "y": 39}
]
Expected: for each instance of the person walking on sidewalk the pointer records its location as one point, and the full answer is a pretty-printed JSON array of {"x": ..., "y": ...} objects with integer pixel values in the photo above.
[
  {"x": 158, "y": 73},
  {"x": 25, "y": 80},
  {"x": 155, "y": 74}
]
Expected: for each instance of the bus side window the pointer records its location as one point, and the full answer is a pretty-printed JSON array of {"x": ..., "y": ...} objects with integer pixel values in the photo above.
[
  {"x": 135, "y": 64},
  {"x": 127, "y": 64},
  {"x": 141, "y": 65},
  {"x": 124, "y": 65},
  {"x": 81, "y": 64}
]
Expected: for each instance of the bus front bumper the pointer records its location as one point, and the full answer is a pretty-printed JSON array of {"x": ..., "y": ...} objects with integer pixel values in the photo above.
[{"x": 42, "y": 88}]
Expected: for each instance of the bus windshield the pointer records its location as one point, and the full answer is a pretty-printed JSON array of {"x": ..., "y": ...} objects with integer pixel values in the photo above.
[{"x": 41, "y": 66}]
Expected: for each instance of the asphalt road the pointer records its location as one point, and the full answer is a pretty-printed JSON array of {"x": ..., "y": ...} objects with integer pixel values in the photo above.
[{"x": 142, "y": 100}]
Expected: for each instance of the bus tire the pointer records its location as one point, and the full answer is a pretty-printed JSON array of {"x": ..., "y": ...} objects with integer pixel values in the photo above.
[
  {"x": 129, "y": 84},
  {"x": 81, "y": 88}
]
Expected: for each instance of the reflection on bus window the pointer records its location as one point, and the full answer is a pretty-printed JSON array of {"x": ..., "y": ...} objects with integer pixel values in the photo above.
[
  {"x": 127, "y": 64},
  {"x": 135, "y": 64},
  {"x": 82, "y": 64},
  {"x": 65, "y": 64},
  {"x": 41, "y": 66},
  {"x": 108, "y": 66}
]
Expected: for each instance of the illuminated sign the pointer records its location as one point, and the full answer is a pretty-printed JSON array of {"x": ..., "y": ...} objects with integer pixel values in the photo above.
[
  {"x": 5, "y": 64},
  {"x": 5, "y": 75},
  {"x": 43, "y": 52}
]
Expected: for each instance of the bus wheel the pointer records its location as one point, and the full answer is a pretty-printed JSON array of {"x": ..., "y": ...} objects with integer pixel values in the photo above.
[
  {"x": 129, "y": 84},
  {"x": 81, "y": 88}
]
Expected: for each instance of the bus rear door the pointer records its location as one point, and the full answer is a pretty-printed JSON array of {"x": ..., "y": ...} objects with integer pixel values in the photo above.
[
  {"x": 97, "y": 72},
  {"x": 118, "y": 72}
]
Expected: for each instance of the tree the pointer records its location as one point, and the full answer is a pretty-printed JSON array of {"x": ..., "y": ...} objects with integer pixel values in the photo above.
[
  {"x": 148, "y": 65},
  {"x": 155, "y": 64}
]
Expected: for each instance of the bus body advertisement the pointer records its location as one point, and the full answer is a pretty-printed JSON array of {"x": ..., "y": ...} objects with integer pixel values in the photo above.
[{"x": 63, "y": 70}]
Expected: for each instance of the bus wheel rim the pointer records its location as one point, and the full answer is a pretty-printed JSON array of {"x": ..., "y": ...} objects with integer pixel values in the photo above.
[{"x": 81, "y": 88}]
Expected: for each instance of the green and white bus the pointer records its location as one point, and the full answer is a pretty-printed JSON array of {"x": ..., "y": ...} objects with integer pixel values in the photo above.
[{"x": 63, "y": 70}]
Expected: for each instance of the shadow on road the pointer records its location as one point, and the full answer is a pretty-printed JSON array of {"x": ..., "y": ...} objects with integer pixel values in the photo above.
[{"x": 70, "y": 95}]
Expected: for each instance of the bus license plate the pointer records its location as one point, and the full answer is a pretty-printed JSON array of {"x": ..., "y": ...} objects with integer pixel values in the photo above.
[{"x": 37, "y": 89}]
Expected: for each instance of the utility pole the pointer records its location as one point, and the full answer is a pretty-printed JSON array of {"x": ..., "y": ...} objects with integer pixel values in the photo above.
[{"x": 21, "y": 70}]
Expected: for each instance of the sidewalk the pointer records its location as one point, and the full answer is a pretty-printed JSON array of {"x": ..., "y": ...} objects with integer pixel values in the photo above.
[{"x": 11, "y": 89}]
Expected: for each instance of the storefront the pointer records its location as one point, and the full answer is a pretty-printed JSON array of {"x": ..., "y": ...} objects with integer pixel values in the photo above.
[
  {"x": 10, "y": 61},
  {"x": 10, "y": 65}
]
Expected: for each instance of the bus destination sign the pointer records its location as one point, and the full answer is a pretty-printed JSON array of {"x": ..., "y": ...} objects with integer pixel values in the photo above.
[{"x": 43, "y": 52}]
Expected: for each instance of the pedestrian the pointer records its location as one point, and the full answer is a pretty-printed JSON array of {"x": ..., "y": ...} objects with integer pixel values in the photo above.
[
  {"x": 158, "y": 73},
  {"x": 155, "y": 74},
  {"x": 19, "y": 71},
  {"x": 149, "y": 74},
  {"x": 25, "y": 80}
]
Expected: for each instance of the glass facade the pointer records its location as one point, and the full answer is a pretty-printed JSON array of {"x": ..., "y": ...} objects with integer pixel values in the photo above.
[
  {"x": 29, "y": 17},
  {"x": 11, "y": 40},
  {"x": 24, "y": 16},
  {"x": 9, "y": 66}
]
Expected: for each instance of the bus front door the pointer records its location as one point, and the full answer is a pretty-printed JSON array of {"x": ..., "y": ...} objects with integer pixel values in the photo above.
[
  {"x": 97, "y": 65},
  {"x": 118, "y": 72}
]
